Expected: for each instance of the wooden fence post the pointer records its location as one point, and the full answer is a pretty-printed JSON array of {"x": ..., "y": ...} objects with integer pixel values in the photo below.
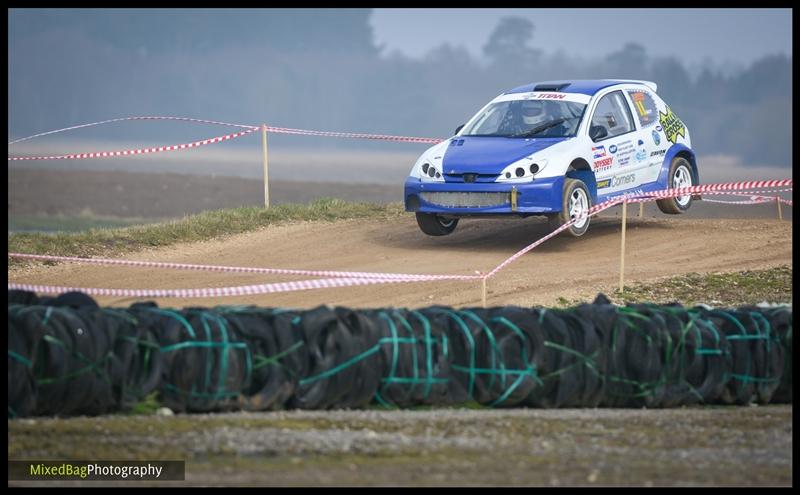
[
  {"x": 622, "y": 247},
  {"x": 266, "y": 164}
]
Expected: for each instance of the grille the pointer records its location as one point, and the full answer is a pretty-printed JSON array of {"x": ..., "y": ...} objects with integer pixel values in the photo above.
[
  {"x": 470, "y": 177},
  {"x": 466, "y": 199}
]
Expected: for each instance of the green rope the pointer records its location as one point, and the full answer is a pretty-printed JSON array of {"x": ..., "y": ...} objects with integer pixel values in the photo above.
[
  {"x": 383, "y": 402},
  {"x": 261, "y": 361},
  {"x": 489, "y": 336},
  {"x": 174, "y": 314},
  {"x": 22, "y": 359},
  {"x": 47, "y": 314},
  {"x": 414, "y": 359},
  {"x": 530, "y": 370},
  {"x": 90, "y": 365},
  {"x": 426, "y": 326},
  {"x": 345, "y": 365},
  {"x": 395, "y": 355},
  {"x": 588, "y": 361},
  {"x": 748, "y": 378},
  {"x": 465, "y": 329}
]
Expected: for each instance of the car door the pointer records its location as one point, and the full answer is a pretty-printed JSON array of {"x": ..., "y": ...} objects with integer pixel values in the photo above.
[
  {"x": 614, "y": 154},
  {"x": 649, "y": 137}
]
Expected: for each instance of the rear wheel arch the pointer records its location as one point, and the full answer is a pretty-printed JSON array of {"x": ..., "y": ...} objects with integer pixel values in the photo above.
[
  {"x": 679, "y": 175},
  {"x": 689, "y": 157},
  {"x": 678, "y": 151}
]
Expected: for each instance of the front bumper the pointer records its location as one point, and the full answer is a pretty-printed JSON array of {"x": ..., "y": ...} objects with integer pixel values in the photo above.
[{"x": 535, "y": 197}]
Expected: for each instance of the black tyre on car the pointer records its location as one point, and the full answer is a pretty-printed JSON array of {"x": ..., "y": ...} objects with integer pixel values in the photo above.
[
  {"x": 436, "y": 225},
  {"x": 575, "y": 201},
  {"x": 680, "y": 175}
]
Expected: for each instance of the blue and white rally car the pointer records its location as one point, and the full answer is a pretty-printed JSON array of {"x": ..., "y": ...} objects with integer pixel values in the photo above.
[{"x": 554, "y": 149}]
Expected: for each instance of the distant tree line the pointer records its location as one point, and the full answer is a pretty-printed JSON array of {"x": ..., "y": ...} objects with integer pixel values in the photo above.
[{"x": 320, "y": 69}]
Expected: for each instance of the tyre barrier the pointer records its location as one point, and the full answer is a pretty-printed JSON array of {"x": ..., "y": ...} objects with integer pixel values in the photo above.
[{"x": 67, "y": 356}]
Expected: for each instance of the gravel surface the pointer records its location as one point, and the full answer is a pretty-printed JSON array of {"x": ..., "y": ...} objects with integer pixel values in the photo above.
[{"x": 701, "y": 446}]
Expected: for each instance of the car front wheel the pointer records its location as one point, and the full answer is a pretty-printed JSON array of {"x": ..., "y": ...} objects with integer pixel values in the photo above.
[
  {"x": 575, "y": 202},
  {"x": 435, "y": 224},
  {"x": 680, "y": 175}
]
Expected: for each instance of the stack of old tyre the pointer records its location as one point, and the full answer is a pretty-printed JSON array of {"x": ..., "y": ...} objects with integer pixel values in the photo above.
[{"x": 68, "y": 356}]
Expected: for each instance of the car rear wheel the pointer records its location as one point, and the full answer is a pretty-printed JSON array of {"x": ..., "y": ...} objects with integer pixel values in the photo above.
[
  {"x": 435, "y": 224},
  {"x": 680, "y": 175},
  {"x": 575, "y": 201}
]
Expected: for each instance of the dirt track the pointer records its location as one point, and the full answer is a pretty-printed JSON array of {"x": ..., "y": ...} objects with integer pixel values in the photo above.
[{"x": 562, "y": 267}]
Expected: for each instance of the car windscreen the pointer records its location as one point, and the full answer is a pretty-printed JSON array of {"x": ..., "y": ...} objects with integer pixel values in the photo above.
[{"x": 527, "y": 118}]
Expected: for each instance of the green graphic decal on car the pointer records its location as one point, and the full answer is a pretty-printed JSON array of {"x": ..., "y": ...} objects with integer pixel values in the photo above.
[{"x": 673, "y": 127}]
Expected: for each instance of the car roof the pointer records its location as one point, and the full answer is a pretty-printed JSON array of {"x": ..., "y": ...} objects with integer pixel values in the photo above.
[{"x": 582, "y": 86}]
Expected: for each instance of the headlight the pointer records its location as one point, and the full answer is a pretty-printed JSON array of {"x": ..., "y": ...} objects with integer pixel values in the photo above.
[
  {"x": 520, "y": 171},
  {"x": 537, "y": 166},
  {"x": 428, "y": 171}
]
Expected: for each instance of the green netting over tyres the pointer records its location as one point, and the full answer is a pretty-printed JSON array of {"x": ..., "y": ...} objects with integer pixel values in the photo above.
[{"x": 67, "y": 356}]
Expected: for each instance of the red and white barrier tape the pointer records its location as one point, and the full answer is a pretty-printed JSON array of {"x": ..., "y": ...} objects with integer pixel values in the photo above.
[
  {"x": 591, "y": 212},
  {"x": 728, "y": 186},
  {"x": 763, "y": 191},
  {"x": 244, "y": 290},
  {"x": 637, "y": 198},
  {"x": 755, "y": 198},
  {"x": 243, "y": 269},
  {"x": 278, "y": 130},
  {"x": 381, "y": 137},
  {"x": 745, "y": 202},
  {"x": 182, "y": 119},
  {"x": 141, "y": 151},
  {"x": 705, "y": 195}
]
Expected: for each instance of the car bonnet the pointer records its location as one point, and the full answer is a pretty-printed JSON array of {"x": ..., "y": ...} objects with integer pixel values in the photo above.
[{"x": 489, "y": 155}]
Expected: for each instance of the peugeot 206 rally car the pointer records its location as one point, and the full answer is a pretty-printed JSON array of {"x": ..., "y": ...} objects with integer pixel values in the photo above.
[{"x": 554, "y": 149}]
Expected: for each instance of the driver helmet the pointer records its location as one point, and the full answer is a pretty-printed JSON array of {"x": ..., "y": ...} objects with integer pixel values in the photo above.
[{"x": 533, "y": 112}]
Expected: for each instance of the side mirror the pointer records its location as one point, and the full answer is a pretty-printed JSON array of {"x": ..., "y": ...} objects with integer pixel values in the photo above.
[
  {"x": 458, "y": 129},
  {"x": 597, "y": 132}
]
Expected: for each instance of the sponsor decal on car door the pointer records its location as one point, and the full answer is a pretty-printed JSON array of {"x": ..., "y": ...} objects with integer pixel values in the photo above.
[
  {"x": 620, "y": 154},
  {"x": 615, "y": 156}
]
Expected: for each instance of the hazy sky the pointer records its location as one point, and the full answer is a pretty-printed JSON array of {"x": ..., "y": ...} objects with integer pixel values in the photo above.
[
  {"x": 726, "y": 35},
  {"x": 319, "y": 69}
]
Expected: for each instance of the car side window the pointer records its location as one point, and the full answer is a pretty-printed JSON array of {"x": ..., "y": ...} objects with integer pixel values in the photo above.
[
  {"x": 613, "y": 114},
  {"x": 645, "y": 106}
]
